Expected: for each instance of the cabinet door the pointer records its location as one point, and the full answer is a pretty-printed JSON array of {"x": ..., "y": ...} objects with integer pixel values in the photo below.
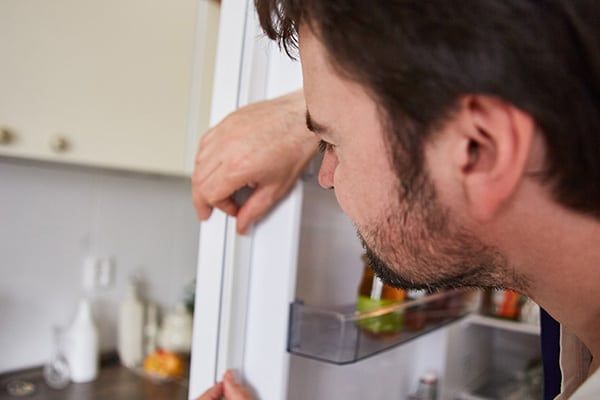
[{"x": 106, "y": 83}]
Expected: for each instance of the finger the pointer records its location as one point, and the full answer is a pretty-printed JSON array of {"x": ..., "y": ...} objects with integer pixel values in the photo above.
[
  {"x": 222, "y": 185},
  {"x": 208, "y": 159},
  {"x": 228, "y": 206},
  {"x": 214, "y": 393},
  {"x": 203, "y": 208},
  {"x": 205, "y": 167},
  {"x": 255, "y": 208},
  {"x": 234, "y": 390}
]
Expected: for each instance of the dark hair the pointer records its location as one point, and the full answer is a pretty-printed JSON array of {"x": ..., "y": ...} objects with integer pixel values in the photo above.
[{"x": 417, "y": 57}]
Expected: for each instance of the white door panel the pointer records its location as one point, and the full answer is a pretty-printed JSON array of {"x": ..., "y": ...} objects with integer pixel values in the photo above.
[
  {"x": 213, "y": 233},
  {"x": 246, "y": 283}
]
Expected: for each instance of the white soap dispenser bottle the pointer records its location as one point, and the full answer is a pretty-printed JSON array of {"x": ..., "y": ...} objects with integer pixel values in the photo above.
[
  {"x": 131, "y": 329},
  {"x": 82, "y": 345}
]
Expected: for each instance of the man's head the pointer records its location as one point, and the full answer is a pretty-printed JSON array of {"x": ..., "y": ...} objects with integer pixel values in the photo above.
[{"x": 437, "y": 112}]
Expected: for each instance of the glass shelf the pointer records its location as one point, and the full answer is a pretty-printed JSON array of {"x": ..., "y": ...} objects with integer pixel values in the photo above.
[
  {"x": 505, "y": 324},
  {"x": 342, "y": 335}
]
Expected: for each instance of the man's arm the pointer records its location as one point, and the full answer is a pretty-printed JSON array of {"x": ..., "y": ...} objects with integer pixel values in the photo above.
[{"x": 264, "y": 146}]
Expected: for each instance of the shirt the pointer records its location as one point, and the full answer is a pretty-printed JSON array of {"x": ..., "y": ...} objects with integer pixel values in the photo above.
[{"x": 575, "y": 361}]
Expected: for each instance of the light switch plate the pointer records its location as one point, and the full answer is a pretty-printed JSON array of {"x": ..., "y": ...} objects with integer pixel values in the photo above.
[{"x": 98, "y": 273}]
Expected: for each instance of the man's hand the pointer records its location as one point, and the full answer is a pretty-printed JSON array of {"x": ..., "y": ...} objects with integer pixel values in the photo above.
[
  {"x": 227, "y": 389},
  {"x": 264, "y": 146}
]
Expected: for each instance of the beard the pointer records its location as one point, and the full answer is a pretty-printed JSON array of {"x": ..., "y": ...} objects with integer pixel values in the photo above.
[{"x": 415, "y": 245}]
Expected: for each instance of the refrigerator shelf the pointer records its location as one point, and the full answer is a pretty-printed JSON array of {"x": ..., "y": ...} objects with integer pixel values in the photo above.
[
  {"x": 341, "y": 335},
  {"x": 507, "y": 325},
  {"x": 500, "y": 385}
]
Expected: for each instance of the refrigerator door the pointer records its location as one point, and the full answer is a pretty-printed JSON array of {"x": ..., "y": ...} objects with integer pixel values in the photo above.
[{"x": 245, "y": 284}]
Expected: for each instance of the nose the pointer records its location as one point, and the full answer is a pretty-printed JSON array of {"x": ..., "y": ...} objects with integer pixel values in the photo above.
[{"x": 327, "y": 170}]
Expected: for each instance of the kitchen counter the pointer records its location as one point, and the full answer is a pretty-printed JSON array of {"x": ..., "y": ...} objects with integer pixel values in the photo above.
[{"x": 114, "y": 382}]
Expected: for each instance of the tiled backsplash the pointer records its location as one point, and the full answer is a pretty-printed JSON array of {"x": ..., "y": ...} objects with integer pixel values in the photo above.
[{"x": 52, "y": 216}]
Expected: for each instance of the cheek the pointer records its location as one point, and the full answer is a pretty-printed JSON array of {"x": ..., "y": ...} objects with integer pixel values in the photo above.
[{"x": 364, "y": 193}]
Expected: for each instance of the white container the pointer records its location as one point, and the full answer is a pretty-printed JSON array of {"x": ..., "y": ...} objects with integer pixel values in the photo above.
[
  {"x": 82, "y": 345},
  {"x": 131, "y": 329},
  {"x": 176, "y": 332}
]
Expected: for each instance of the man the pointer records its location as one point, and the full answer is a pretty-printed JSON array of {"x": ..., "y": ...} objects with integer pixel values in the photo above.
[{"x": 462, "y": 137}]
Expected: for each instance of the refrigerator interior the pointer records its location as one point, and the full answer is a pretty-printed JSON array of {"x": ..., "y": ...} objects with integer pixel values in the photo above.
[
  {"x": 487, "y": 363},
  {"x": 468, "y": 359},
  {"x": 328, "y": 273}
]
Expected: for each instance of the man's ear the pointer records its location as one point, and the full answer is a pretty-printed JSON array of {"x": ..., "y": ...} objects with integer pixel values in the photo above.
[{"x": 497, "y": 141}]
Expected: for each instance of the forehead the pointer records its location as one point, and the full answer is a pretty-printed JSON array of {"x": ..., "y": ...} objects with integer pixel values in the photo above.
[
  {"x": 331, "y": 98},
  {"x": 316, "y": 69},
  {"x": 312, "y": 51}
]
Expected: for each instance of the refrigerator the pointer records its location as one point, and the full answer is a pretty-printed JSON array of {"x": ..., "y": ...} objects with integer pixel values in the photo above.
[{"x": 261, "y": 296}]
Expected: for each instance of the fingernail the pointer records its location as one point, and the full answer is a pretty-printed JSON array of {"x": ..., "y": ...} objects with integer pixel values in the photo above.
[{"x": 229, "y": 376}]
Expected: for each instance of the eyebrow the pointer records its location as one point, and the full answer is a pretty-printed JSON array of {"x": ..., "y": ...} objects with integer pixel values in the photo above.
[{"x": 315, "y": 126}]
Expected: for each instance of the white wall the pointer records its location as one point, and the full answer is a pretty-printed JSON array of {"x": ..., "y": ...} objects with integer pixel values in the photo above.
[{"x": 52, "y": 216}]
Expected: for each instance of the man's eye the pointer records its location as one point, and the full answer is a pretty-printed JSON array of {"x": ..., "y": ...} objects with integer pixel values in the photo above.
[{"x": 324, "y": 146}]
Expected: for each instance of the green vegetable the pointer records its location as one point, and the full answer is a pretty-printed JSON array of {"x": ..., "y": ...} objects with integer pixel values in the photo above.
[{"x": 389, "y": 323}]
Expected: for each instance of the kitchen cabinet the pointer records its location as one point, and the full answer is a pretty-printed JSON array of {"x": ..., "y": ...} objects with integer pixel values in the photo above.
[{"x": 115, "y": 83}]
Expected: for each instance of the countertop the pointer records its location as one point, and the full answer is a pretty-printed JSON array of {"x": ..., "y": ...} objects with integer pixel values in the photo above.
[{"x": 114, "y": 382}]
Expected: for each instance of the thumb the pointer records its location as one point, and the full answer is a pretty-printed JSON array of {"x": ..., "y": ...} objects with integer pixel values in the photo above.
[
  {"x": 214, "y": 393},
  {"x": 259, "y": 203},
  {"x": 234, "y": 390}
]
